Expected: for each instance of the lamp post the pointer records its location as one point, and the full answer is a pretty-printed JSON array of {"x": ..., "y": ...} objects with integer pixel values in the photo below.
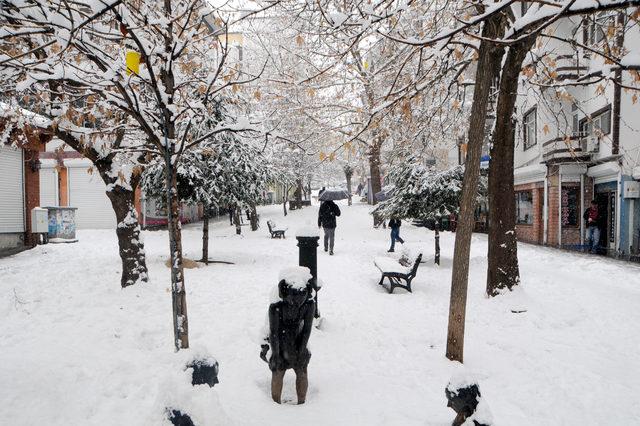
[{"x": 308, "y": 256}]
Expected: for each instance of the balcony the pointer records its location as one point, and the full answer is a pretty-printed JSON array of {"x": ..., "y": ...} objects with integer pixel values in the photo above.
[
  {"x": 569, "y": 148},
  {"x": 571, "y": 66}
]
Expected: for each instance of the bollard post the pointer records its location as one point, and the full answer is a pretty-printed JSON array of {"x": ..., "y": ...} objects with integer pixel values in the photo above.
[
  {"x": 308, "y": 256},
  {"x": 436, "y": 259}
]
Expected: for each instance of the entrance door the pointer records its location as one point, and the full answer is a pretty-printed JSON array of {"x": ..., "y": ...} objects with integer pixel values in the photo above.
[{"x": 607, "y": 208}]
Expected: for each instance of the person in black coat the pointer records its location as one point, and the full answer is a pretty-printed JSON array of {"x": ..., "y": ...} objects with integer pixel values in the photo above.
[
  {"x": 394, "y": 224},
  {"x": 327, "y": 220}
]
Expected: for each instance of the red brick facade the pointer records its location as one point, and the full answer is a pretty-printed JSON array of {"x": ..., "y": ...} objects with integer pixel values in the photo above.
[
  {"x": 571, "y": 234},
  {"x": 532, "y": 233}
]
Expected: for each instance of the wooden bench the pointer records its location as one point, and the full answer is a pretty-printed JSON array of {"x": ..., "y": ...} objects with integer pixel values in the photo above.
[
  {"x": 397, "y": 272},
  {"x": 275, "y": 233}
]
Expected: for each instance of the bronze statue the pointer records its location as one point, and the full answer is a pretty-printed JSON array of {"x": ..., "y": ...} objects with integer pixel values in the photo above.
[{"x": 289, "y": 329}]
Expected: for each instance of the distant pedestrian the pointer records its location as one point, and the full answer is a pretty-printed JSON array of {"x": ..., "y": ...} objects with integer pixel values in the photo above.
[
  {"x": 231, "y": 209},
  {"x": 394, "y": 224},
  {"x": 327, "y": 220},
  {"x": 592, "y": 217}
]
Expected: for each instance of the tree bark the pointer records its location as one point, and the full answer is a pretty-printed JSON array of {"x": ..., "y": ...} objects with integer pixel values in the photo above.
[
  {"x": 178, "y": 293},
  {"x": 374, "y": 171},
  {"x": 205, "y": 236},
  {"x": 131, "y": 248},
  {"x": 348, "y": 176},
  {"x": 284, "y": 198},
  {"x": 503, "y": 271},
  {"x": 254, "y": 217},
  {"x": 299, "y": 190},
  {"x": 489, "y": 60},
  {"x": 236, "y": 220}
]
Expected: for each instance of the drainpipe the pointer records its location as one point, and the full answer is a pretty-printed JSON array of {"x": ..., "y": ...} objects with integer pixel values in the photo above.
[
  {"x": 618, "y": 212},
  {"x": 559, "y": 208},
  {"x": 545, "y": 209},
  {"x": 581, "y": 209}
]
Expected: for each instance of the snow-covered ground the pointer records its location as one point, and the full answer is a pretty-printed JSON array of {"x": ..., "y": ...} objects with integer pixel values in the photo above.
[{"x": 75, "y": 349}]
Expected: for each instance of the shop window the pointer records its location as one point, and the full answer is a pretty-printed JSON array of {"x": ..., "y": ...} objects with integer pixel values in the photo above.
[
  {"x": 570, "y": 206},
  {"x": 529, "y": 129},
  {"x": 524, "y": 208}
]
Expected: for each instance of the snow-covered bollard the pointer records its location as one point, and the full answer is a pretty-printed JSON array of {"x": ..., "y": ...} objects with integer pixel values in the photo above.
[
  {"x": 463, "y": 396},
  {"x": 308, "y": 256},
  {"x": 205, "y": 371}
]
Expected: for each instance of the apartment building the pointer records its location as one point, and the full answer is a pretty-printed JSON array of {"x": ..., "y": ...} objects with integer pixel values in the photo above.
[{"x": 577, "y": 143}]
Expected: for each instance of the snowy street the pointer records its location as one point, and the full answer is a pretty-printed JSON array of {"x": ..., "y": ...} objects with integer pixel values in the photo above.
[{"x": 76, "y": 349}]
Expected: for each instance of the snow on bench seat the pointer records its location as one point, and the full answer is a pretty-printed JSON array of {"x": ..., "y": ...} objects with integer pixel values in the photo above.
[{"x": 389, "y": 264}]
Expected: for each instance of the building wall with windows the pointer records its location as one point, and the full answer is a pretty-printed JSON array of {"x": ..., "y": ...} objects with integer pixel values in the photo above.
[{"x": 566, "y": 153}]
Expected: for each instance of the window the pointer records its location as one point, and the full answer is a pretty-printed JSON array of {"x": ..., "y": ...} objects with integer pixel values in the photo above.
[
  {"x": 529, "y": 132},
  {"x": 570, "y": 205},
  {"x": 599, "y": 123},
  {"x": 575, "y": 122},
  {"x": 524, "y": 208},
  {"x": 595, "y": 27}
]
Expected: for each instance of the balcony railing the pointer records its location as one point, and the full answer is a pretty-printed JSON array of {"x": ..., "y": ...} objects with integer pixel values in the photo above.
[
  {"x": 568, "y": 148},
  {"x": 571, "y": 66}
]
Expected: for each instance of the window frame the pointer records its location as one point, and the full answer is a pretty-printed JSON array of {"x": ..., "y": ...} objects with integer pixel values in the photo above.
[
  {"x": 589, "y": 120},
  {"x": 518, "y": 196},
  {"x": 525, "y": 127}
]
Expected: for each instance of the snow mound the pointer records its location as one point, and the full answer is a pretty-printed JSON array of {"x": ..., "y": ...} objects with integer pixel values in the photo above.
[{"x": 295, "y": 276}]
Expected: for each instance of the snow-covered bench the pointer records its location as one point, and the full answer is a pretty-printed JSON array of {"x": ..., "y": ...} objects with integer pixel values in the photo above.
[
  {"x": 397, "y": 272},
  {"x": 275, "y": 232}
]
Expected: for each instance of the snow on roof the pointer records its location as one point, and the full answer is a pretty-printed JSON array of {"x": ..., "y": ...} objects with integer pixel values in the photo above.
[
  {"x": 37, "y": 120},
  {"x": 295, "y": 276}
]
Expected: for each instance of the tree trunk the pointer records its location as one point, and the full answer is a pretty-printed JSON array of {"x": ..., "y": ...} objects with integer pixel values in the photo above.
[
  {"x": 131, "y": 248},
  {"x": 489, "y": 60},
  {"x": 299, "y": 190},
  {"x": 236, "y": 220},
  {"x": 503, "y": 271},
  {"x": 254, "y": 217},
  {"x": 178, "y": 293},
  {"x": 284, "y": 198},
  {"x": 374, "y": 171},
  {"x": 205, "y": 236},
  {"x": 349, "y": 186}
]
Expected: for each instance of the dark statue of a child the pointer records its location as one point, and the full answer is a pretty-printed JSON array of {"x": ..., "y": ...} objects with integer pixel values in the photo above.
[{"x": 290, "y": 323}]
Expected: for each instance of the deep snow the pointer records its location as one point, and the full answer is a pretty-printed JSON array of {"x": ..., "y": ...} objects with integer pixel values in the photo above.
[{"x": 75, "y": 349}]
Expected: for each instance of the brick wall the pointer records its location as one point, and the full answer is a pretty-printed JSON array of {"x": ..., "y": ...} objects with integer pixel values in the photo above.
[{"x": 532, "y": 233}]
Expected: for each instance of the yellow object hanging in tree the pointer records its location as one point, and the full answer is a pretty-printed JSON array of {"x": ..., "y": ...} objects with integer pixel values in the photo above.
[{"x": 133, "y": 62}]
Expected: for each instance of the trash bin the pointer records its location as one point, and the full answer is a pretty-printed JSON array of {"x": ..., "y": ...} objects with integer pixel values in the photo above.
[{"x": 62, "y": 224}]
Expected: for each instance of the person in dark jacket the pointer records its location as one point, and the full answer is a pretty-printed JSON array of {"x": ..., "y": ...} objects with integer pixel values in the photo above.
[
  {"x": 592, "y": 217},
  {"x": 394, "y": 224},
  {"x": 327, "y": 220}
]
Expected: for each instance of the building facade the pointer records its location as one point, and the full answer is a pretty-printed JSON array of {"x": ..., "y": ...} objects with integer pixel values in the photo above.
[
  {"x": 578, "y": 143},
  {"x": 19, "y": 185}
]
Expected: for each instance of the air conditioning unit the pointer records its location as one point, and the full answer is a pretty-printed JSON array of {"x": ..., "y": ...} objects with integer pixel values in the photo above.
[{"x": 590, "y": 144}]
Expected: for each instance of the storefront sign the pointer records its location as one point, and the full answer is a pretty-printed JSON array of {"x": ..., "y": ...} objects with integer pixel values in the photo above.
[{"x": 612, "y": 217}]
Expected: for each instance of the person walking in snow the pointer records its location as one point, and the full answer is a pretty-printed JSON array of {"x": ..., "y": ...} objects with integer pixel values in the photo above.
[
  {"x": 327, "y": 220},
  {"x": 592, "y": 217},
  {"x": 394, "y": 224}
]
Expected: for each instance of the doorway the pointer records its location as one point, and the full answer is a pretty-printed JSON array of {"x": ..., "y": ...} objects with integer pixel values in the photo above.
[{"x": 605, "y": 196}]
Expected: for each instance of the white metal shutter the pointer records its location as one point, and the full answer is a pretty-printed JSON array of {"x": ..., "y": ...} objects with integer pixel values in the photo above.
[
  {"x": 48, "y": 187},
  {"x": 11, "y": 190},
  {"x": 87, "y": 193}
]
